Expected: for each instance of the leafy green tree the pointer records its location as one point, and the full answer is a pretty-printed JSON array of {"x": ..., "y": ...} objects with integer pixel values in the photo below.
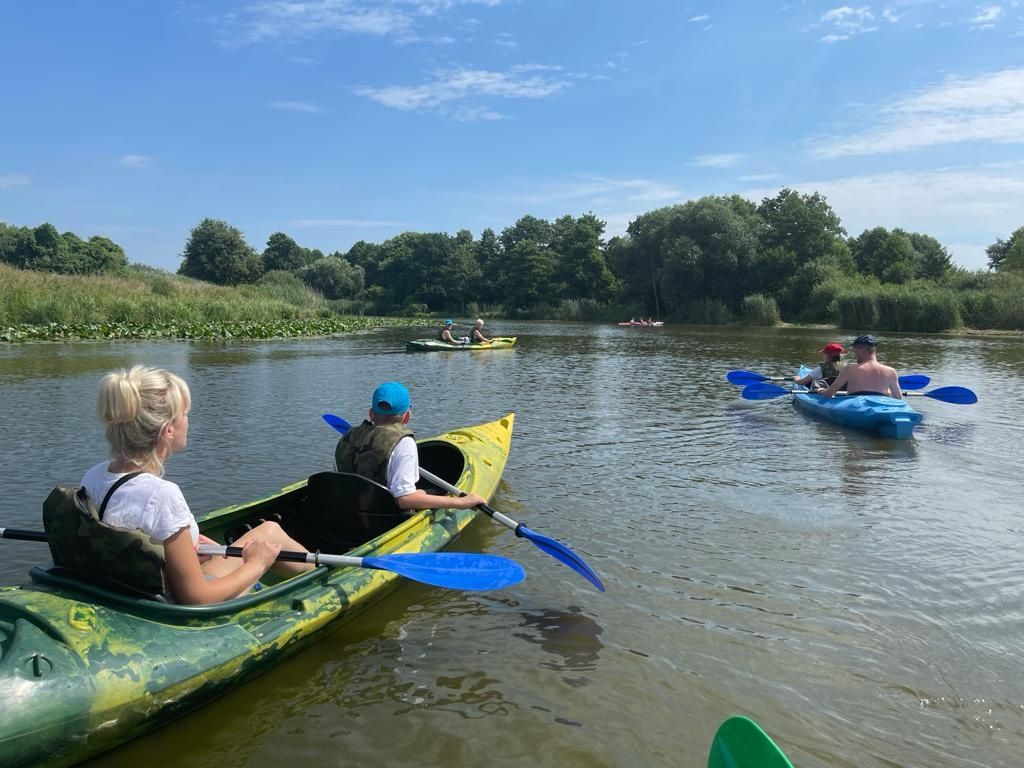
[
  {"x": 369, "y": 257},
  {"x": 805, "y": 225},
  {"x": 334, "y": 277},
  {"x": 529, "y": 262},
  {"x": 1007, "y": 255},
  {"x": 933, "y": 259},
  {"x": 581, "y": 270},
  {"x": 284, "y": 253},
  {"x": 217, "y": 253},
  {"x": 491, "y": 260}
]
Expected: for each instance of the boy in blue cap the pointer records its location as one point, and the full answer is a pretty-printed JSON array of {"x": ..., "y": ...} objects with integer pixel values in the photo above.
[
  {"x": 382, "y": 449},
  {"x": 868, "y": 376}
]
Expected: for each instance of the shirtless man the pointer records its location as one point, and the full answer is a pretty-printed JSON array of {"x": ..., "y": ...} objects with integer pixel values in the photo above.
[{"x": 868, "y": 376}]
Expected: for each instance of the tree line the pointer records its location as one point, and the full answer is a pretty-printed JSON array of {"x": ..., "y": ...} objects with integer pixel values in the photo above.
[{"x": 707, "y": 260}]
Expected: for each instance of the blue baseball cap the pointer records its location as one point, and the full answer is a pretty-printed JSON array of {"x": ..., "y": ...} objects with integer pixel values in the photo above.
[
  {"x": 867, "y": 340},
  {"x": 390, "y": 399},
  {"x": 448, "y": 322}
]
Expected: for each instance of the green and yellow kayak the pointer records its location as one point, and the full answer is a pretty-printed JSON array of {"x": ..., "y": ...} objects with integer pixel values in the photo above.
[
  {"x": 84, "y": 668},
  {"x": 436, "y": 345}
]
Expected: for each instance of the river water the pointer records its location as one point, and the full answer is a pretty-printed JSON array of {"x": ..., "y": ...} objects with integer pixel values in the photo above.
[{"x": 861, "y": 598}]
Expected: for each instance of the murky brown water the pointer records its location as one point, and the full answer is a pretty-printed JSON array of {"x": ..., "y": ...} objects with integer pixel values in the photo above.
[{"x": 860, "y": 598}]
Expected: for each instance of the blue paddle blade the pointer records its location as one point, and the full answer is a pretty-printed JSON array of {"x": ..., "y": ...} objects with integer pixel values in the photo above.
[
  {"x": 337, "y": 422},
  {"x": 914, "y": 381},
  {"x": 955, "y": 395},
  {"x": 454, "y": 570},
  {"x": 561, "y": 553},
  {"x": 741, "y": 378},
  {"x": 764, "y": 391}
]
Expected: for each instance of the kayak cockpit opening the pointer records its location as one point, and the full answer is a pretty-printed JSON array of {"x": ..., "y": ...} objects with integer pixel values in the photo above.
[{"x": 442, "y": 459}]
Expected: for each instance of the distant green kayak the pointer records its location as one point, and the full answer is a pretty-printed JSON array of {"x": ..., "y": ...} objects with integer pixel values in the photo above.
[
  {"x": 740, "y": 743},
  {"x": 436, "y": 345}
]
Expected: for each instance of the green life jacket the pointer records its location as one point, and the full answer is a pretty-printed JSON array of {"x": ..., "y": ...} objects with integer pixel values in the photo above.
[
  {"x": 830, "y": 370},
  {"x": 365, "y": 450},
  {"x": 81, "y": 541}
]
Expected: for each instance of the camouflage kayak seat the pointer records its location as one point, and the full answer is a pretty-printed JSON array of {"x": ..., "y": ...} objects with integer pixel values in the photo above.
[{"x": 85, "y": 547}]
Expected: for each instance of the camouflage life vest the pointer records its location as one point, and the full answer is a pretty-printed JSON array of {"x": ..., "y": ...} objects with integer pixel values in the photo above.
[
  {"x": 80, "y": 540},
  {"x": 365, "y": 450},
  {"x": 830, "y": 370}
]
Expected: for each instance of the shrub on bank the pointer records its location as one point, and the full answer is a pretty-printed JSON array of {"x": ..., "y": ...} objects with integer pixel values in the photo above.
[
  {"x": 758, "y": 309},
  {"x": 914, "y": 307}
]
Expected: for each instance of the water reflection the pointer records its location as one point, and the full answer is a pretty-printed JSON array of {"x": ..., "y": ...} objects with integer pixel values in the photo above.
[{"x": 570, "y": 635}]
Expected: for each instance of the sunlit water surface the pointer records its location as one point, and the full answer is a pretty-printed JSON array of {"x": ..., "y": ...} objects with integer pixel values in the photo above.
[{"x": 861, "y": 598}]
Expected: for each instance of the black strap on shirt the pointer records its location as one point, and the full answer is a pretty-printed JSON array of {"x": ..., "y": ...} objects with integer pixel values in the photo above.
[{"x": 117, "y": 484}]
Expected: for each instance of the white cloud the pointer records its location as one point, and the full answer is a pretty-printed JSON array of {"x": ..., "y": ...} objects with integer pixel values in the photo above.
[
  {"x": 891, "y": 16},
  {"x": 135, "y": 161},
  {"x": 529, "y": 81},
  {"x": 955, "y": 205},
  {"x": 987, "y": 16},
  {"x": 297, "y": 106},
  {"x": 983, "y": 108},
  {"x": 698, "y": 19},
  {"x": 298, "y": 19},
  {"x": 304, "y": 60},
  {"x": 718, "y": 161},
  {"x": 9, "y": 180},
  {"x": 505, "y": 40},
  {"x": 759, "y": 177},
  {"x": 471, "y": 114},
  {"x": 303, "y": 223},
  {"x": 846, "y": 22}
]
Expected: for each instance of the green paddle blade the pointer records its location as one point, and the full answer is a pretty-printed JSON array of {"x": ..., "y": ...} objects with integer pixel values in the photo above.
[{"x": 740, "y": 743}]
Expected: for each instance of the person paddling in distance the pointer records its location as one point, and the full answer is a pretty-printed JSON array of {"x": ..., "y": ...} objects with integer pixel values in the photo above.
[
  {"x": 445, "y": 334},
  {"x": 868, "y": 376},
  {"x": 382, "y": 449},
  {"x": 477, "y": 336},
  {"x": 827, "y": 370},
  {"x": 146, "y": 414}
]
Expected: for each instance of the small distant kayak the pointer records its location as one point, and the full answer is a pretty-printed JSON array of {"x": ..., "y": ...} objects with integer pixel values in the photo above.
[
  {"x": 635, "y": 324},
  {"x": 874, "y": 413},
  {"x": 436, "y": 345},
  {"x": 740, "y": 743}
]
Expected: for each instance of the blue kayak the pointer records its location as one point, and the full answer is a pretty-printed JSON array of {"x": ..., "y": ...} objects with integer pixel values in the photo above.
[{"x": 874, "y": 413}]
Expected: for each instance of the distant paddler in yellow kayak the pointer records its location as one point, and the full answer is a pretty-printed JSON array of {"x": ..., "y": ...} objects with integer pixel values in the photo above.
[
  {"x": 445, "y": 334},
  {"x": 477, "y": 336}
]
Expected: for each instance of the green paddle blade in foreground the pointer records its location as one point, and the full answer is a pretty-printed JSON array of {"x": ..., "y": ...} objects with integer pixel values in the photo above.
[
  {"x": 740, "y": 743},
  {"x": 546, "y": 544}
]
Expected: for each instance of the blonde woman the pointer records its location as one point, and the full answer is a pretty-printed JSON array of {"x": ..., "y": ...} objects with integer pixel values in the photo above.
[
  {"x": 477, "y": 336},
  {"x": 146, "y": 411}
]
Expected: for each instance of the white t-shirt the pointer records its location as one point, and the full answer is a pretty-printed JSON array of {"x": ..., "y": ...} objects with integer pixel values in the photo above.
[
  {"x": 403, "y": 468},
  {"x": 147, "y": 502},
  {"x": 816, "y": 374}
]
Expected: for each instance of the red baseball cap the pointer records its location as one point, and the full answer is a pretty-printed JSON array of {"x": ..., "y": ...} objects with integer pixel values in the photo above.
[{"x": 832, "y": 348}]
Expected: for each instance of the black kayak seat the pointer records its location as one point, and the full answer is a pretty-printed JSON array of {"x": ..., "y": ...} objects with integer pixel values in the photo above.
[{"x": 343, "y": 510}]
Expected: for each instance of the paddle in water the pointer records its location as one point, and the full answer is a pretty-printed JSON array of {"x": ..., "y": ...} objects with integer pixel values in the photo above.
[
  {"x": 955, "y": 395},
  {"x": 454, "y": 570},
  {"x": 741, "y": 378},
  {"x": 554, "y": 548},
  {"x": 741, "y": 743}
]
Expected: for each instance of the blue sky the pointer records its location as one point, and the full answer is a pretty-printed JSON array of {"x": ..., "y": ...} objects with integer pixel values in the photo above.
[{"x": 341, "y": 120}]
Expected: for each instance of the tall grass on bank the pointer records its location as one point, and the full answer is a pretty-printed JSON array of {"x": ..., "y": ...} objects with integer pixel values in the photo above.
[
  {"x": 916, "y": 307},
  {"x": 143, "y": 303},
  {"x": 760, "y": 310}
]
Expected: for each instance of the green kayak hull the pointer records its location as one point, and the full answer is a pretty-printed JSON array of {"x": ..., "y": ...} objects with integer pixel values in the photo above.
[
  {"x": 83, "y": 669},
  {"x": 436, "y": 345},
  {"x": 740, "y": 743}
]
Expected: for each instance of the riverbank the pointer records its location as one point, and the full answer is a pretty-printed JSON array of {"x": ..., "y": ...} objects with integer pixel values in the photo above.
[{"x": 148, "y": 304}]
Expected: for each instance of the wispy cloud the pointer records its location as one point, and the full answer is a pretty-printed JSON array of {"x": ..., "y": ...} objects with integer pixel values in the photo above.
[
  {"x": 529, "y": 81},
  {"x": 955, "y": 205},
  {"x": 505, "y": 40},
  {"x": 298, "y": 19},
  {"x": 135, "y": 161},
  {"x": 891, "y": 16},
  {"x": 8, "y": 180},
  {"x": 982, "y": 108},
  {"x": 846, "y": 22},
  {"x": 328, "y": 223},
  {"x": 718, "y": 161},
  {"x": 759, "y": 177},
  {"x": 987, "y": 16},
  {"x": 303, "y": 60},
  {"x": 471, "y": 114},
  {"x": 601, "y": 191},
  {"x": 699, "y": 19},
  {"x": 297, "y": 106}
]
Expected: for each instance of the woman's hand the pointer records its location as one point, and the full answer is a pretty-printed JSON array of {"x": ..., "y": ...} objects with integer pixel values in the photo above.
[{"x": 260, "y": 551}]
